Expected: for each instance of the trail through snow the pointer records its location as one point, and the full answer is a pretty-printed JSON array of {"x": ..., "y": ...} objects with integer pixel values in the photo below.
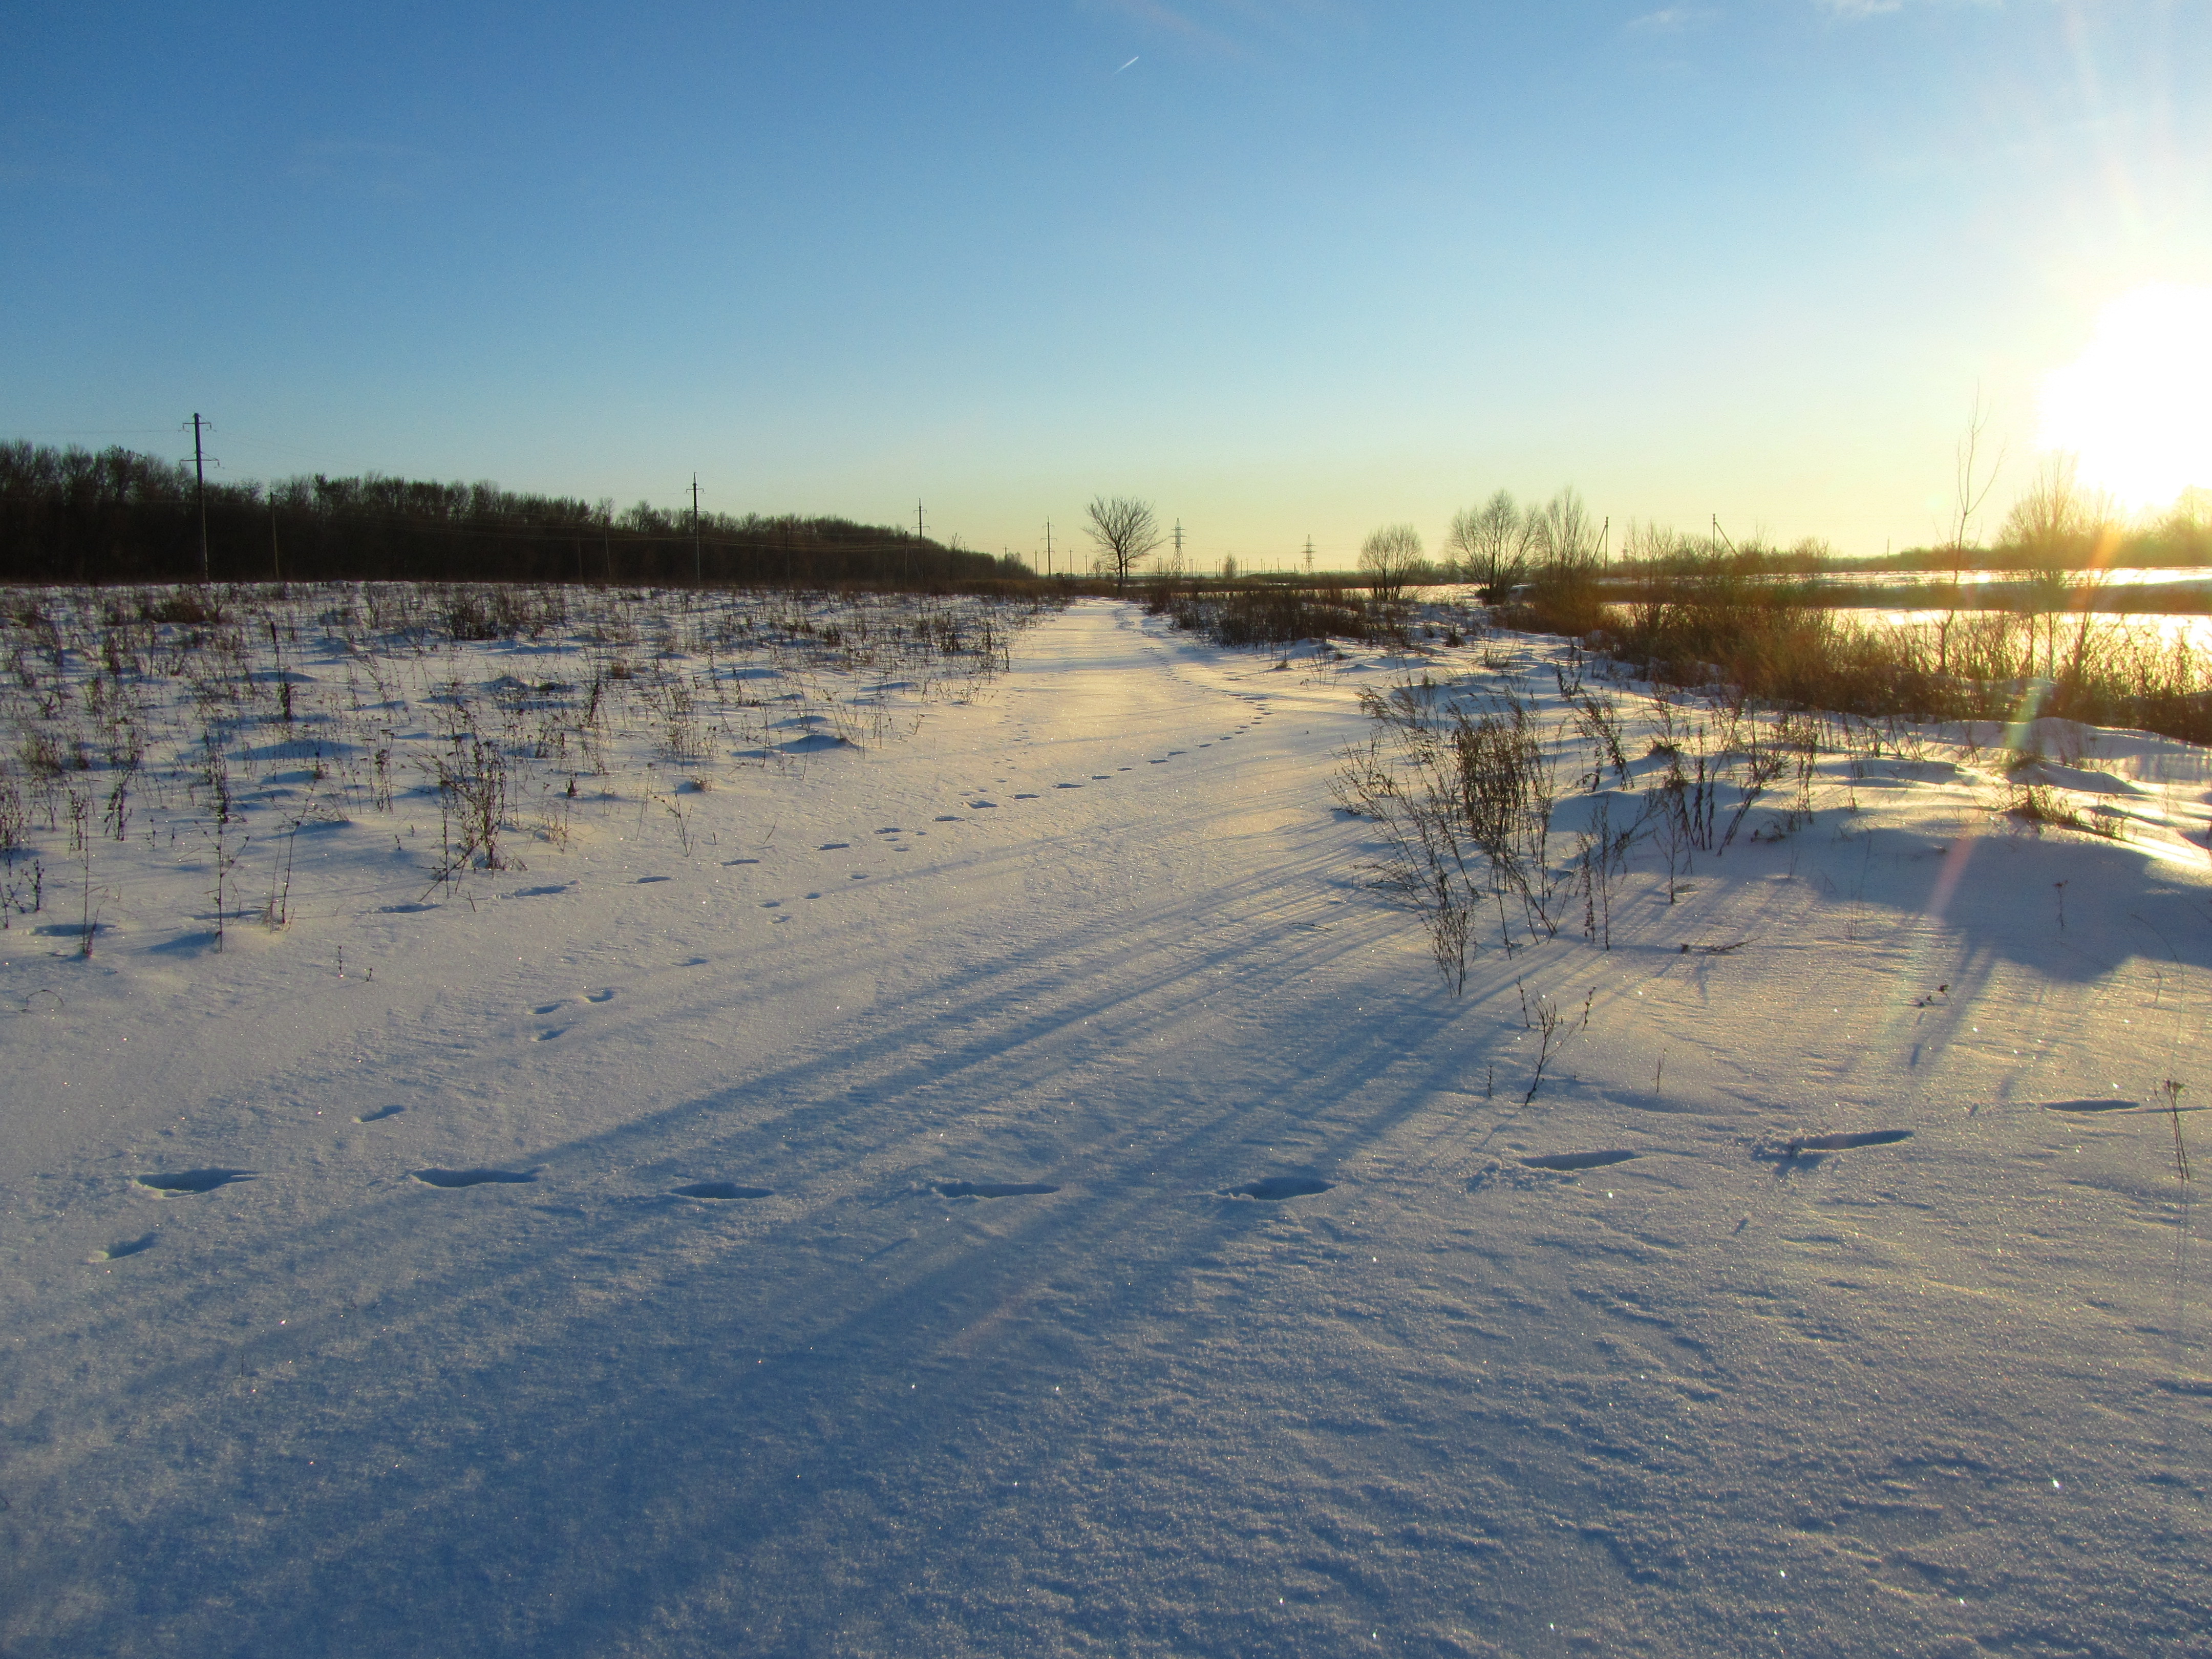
[{"x": 1018, "y": 1189}]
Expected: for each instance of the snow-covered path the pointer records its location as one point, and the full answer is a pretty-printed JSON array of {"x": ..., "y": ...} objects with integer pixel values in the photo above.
[{"x": 1102, "y": 936}]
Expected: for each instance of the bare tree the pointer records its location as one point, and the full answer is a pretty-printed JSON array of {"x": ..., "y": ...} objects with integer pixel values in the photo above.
[
  {"x": 1124, "y": 530},
  {"x": 1390, "y": 558},
  {"x": 1560, "y": 533},
  {"x": 2057, "y": 520},
  {"x": 1971, "y": 487},
  {"x": 1492, "y": 543}
]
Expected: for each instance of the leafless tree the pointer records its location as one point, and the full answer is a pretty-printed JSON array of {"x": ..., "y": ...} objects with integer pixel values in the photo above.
[
  {"x": 1124, "y": 530},
  {"x": 1971, "y": 488},
  {"x": 1560, "y": 533},
  {"x": 1390, "y": 558},
  {"x": 1492, "y": 543}
]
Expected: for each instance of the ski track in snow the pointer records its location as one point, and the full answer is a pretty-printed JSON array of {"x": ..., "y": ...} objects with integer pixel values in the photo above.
[{"x": 1019, "y": 1188}]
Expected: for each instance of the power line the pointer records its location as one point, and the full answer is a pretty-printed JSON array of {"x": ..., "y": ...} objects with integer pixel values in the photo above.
[{"x": 199, "y": 472}]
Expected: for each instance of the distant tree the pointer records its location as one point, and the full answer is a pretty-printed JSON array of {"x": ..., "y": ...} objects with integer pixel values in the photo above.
[
  {"x": 1390, "y": 558},
  {"x": 1492, "y": 542},
  {"x": 1229, "y": 566},
  {"x": 2057, "y": 522},
  {"x": 1560, "y": 533},
  {"x": 1124, "y": 531}
]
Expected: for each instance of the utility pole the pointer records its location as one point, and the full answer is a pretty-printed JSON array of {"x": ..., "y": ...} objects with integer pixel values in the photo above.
[
  {"x": 276, "y": 553},
  {"x": 1308, "y": 555},
  {"x": 1178, "y": 544},
  {"x": 199, "y": 471},
  {"x": 698, "y": 566},
  {"x": 1048, "y": 547}
]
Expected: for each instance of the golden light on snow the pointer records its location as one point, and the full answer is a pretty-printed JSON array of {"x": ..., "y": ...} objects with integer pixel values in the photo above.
[{"x": 2136, "y": 406}]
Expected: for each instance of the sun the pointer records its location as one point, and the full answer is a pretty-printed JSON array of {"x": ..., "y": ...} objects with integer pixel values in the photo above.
[{"x": 2135, "y": 407}]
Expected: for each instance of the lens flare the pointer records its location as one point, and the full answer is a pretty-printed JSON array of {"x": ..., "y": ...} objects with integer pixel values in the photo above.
[{"x": 2136, "y": 405}]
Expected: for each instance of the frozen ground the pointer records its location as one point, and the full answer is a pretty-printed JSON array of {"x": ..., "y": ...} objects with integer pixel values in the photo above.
[{"x": 863, "y": 1269}]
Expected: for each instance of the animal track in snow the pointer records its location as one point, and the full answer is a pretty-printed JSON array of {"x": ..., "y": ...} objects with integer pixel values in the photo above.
[
  {"x": 730, "y": 861},
  {"x": 547, "y": 1008},
  {"x": 946, "y": 817},
  {"x": 380, "y": 1115},
  {"x": 548, "y": 1035},
  {"x": 648, "y": 881},
  {"x": 722, "y": 1190},
  {"x": 472, "y": 1177},
  {"x": 993, "y": 1189},
  {"x": 1273, "y": 1189},
  {"x": 122, "y": 1248},
  {"x": 772, "y": 904},
  {"x": 833, "y": 846},
  {"x": 1063, "y": 786},
  {"x": 1843, "y": 1143},
  {"x": 1579, "y": 1160},
  {"x": 194, "y": 1180}
]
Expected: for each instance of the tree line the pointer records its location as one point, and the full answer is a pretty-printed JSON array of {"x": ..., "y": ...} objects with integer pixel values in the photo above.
[{"x": 114, "y": 515}]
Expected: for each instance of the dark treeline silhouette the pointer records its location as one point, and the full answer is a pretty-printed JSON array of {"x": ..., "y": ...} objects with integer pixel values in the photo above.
[{"x": 71, "y": 515}]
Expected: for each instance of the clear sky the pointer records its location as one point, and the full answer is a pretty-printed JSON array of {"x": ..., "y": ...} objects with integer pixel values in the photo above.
[{"x": 1285, "y": 267}]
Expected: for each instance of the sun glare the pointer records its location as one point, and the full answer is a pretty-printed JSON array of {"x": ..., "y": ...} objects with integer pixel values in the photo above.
[{"x": 2135, "y": 407}]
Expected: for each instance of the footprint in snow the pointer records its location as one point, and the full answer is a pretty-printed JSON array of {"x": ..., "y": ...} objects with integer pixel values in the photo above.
[
  {"x": 993, "y": 1189},
  {"x": 946, "y": 817},
  {"x": 1809, "y": 1148},
  {"x": 892, "y": 830},
  {"x": 548, "y": 1035},
  {"x": 1273, "y": 1189},
  {"x": 977, "y": 806},
  {"x": 648, "y": 881},
  {"x": 380, "y": 1115},
  {"x": 722, "y": 1190},
  {"x": 2091, "y": 1105},
  {"x": 833, "y": 846},
  {"x": 731, "y": 861},
  {"x": 1063, "y": 786},
  {"x": 772, "y": 904},
  {"x": 473, "y": 1178},
  {"x": 194, "y": 1180},
  {"x": 1567, "y": 1161},
  {"x": 608, "y": 995},
  {"x": 547, "y": 1008},
  {"x": 122, "y": 1248}
]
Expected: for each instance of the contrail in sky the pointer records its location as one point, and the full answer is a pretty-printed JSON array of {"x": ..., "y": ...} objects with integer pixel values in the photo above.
[{"x": 1123, "y": 66}]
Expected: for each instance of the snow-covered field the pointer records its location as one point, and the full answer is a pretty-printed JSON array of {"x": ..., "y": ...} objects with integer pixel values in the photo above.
[{"x": 989, "y": 1173}]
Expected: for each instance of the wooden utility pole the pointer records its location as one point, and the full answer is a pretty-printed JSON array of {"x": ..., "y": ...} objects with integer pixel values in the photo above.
[
  {"x": 199, "y": 472},
  {"x": 698, "y": 566}
]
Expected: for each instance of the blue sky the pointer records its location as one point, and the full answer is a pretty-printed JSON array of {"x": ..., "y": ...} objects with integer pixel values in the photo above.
[{"x": 1301, "y": 268}]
